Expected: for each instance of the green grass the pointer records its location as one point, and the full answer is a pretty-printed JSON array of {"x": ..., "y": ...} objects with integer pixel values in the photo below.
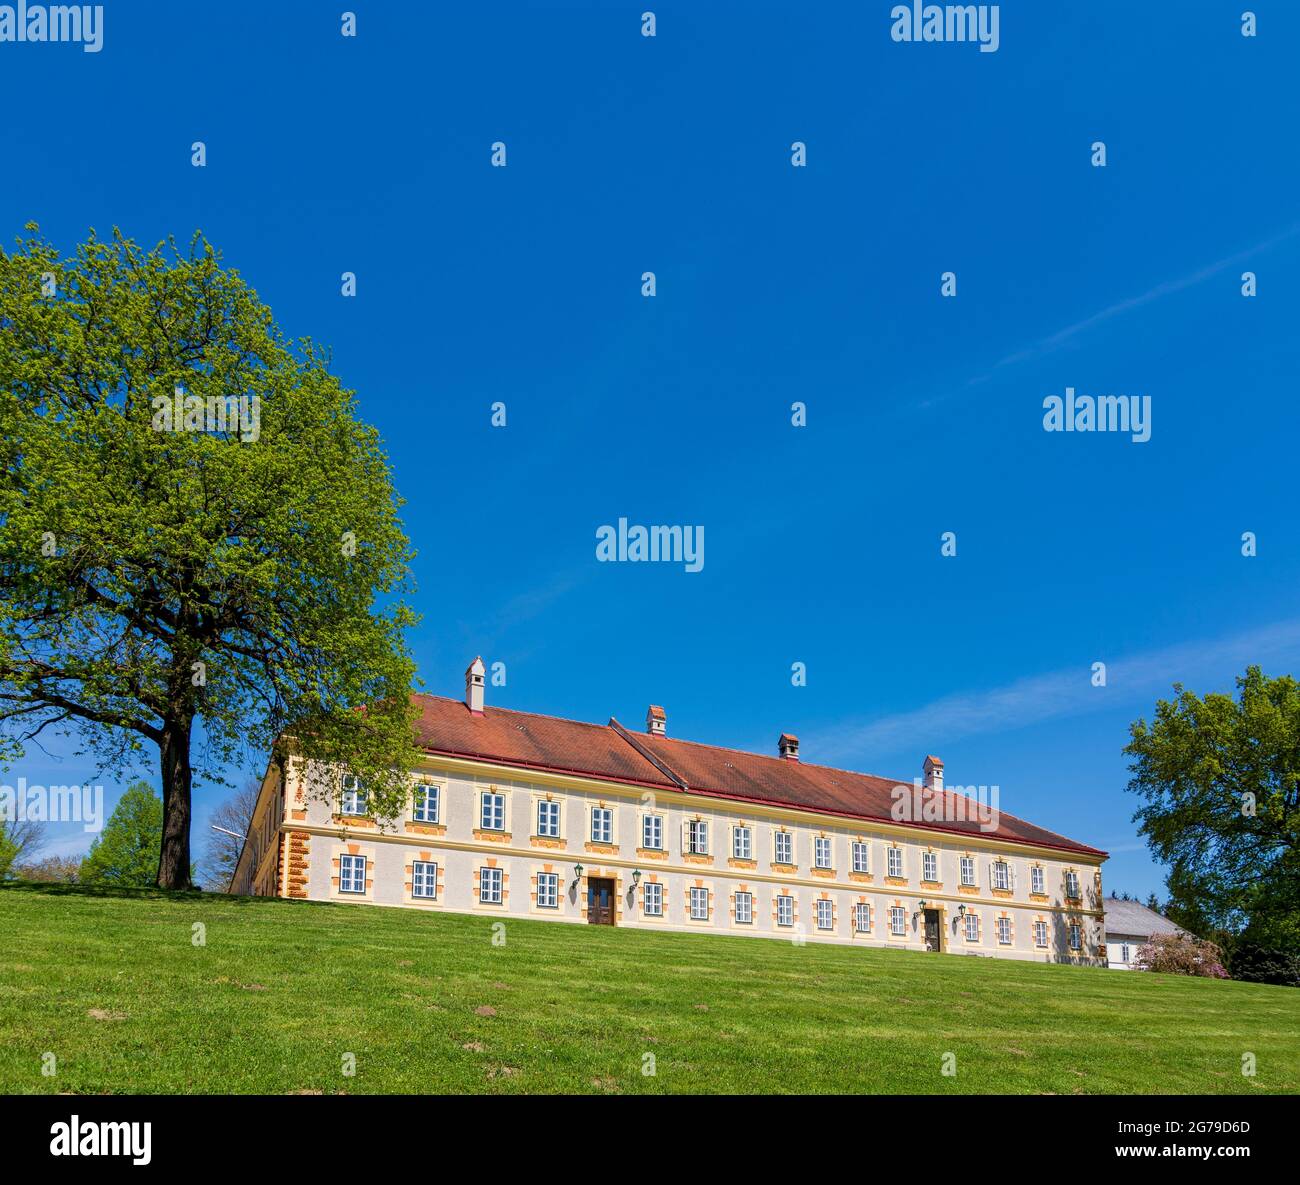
[{"x": 111, "y": 984}]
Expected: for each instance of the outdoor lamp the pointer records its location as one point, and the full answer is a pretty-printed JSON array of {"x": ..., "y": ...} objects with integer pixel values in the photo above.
[
  {"x": 577, "y": 873},
  {"x": 636, "y": 877}
]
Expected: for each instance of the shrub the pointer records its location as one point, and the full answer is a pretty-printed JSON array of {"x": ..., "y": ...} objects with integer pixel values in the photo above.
[
  {"x": 1261, "y": 964},
  {"x": 1182, "y": 954}
]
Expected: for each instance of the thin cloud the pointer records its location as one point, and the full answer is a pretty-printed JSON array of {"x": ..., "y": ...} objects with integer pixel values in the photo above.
[{"x": 1059, "y": 694}]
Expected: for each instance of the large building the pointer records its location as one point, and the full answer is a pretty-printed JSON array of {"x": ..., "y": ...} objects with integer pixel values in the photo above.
[{"x": 513, "y": 814}]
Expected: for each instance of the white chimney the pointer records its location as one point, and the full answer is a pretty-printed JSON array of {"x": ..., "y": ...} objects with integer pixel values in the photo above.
[
  {"x": 933, "y": 769},
  {"x": 474, "y": 686},
  {"x": 656, "y": 723},
  {"x": 788, "y": 744}
]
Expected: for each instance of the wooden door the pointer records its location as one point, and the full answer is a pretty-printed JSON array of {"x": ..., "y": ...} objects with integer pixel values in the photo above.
[{"x": 600, "y": 901}]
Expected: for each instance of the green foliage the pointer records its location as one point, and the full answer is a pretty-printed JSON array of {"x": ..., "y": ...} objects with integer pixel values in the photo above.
[
  {"x": 239, "y": 584},
  {"x": 1258, "y": 964},
  {"x": 8, "y": 850},
  {"x": 1220, "y": 780},
  {"x": 126, "y": 852}
]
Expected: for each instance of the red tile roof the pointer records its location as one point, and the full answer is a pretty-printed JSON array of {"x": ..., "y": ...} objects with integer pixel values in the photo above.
[{"x": 530, "y": 741}]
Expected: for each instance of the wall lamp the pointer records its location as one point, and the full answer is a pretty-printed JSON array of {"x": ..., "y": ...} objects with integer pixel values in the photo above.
[{"x": 577, "y": 873}]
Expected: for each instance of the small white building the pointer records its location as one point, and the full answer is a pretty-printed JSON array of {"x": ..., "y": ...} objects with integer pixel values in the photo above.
[{"x": 1129, "y": 926}]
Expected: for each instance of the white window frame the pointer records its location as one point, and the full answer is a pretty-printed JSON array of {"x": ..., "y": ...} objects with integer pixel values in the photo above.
[
  {"x": 348, "y": 874},
  {"x": 1076, "y": 936},
  {"x": 898, "y": 921},
  {"x": 652, "y": 827},
  {"x": 352, "y": 791},
  {"x": 861, "y": 857},
  {"x": 1001, "y": 875},
  {"x": 699, "y": 904},
  {"x": 697, "y": 837},
  {"x": 861, "y": 910},
  {"x": 602, "y": 824},
  {"x": 1040, "y": 933},
  {"x": 784, "y": 909},
  {"x": 825, "y": 914},
  {"x": 783, "y": 846},
  {"x": 968, "y": 871},
  {"x": 822, "y": 851},
  {"x": 548, "y": 890},
  {"x": 1072, "y": 886},
  {"x": 1123, "y": 952},
  {"x": 742, "y": 842},
  {"x": 652, "y": 899},
  {"x": 895, "y": 861},
  {"x": 491, "y": 886},
  {"x": 930, "y": 867},
  {"x": 548, "y": 818},
  {"x": 492, "y": 805},
  {"x": 427, "y": 794},
  {"x": 1004, "y": 928},
  {"x": 972, "y": 927},
  {"x": 1036, "y": 879},
  {"x": 744, "y": 908},
  {"x": 426, "y": 871}
]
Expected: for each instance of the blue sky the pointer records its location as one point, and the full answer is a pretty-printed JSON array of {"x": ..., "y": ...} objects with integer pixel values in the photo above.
[{"x": 774, "y": 284}]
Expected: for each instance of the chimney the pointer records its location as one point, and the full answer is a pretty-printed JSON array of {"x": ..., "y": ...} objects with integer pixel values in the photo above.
[
  {"x": 474, "y": 686},
  {"x": 789, "y": 746},
  {"x": 656, "y": 723},
  {"x": 933, "y": 769}
]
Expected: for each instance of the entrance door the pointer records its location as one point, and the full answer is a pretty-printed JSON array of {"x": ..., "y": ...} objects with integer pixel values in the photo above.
[
  {"x": 933, "y": 939},
  {"x": 600, "y": 901}
]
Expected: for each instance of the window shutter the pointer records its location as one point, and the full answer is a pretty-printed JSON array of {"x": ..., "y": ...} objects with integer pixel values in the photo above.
[
  {"x": 686, "y": 836},
  {"x": 1013, "y": 875}
]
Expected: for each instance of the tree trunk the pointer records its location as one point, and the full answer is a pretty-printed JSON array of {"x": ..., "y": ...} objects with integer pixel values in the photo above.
[{"x": 174, "y": 856}]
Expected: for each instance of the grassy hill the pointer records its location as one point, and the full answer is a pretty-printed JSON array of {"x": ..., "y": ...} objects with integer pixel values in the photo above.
[{"x": 113, "y": 985}]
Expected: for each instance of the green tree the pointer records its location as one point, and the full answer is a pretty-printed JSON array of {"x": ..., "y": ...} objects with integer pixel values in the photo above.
[
  {"x": 1220, "y": 780},
  {"x": 126, "y": 851},
  {"x": 8, "y": 850},
  {"x": 196, "y": 585}
]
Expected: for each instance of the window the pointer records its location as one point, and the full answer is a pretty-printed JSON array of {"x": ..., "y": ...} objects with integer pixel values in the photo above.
[
  {"x": 424, "y": 879},
  {"x": 1076, "y": 939},
  {"x": 548, "y": 819},
  {"x": 352, "y": 874},
  {"x": 895, "y": 861},
  {"x": 353, "y": 798},
  {"x": 930, "y": 867},
  {"x": 741, "y": 843},
  {"x": 968, "y": 870},
  {"x": 697, "y": 837},
  {"x": 744, "y": 908},
  {"x": 1072, "y": 885},
  {"x": 859, "y": 856},
  {"x": 897, "y": 920},
  {"x": 652, "y": 832},
  {"x": 699, "y": 905},
  {"x": 1040, "y": 933},
  {"x": 862, "y": 917},
  {"x": 785, "y": 910},
  {"x": 602, "y": 824},
  {"x": 784, "y": 847},
  {"x": 652, "y": 899},
  {"x": 821, "y": 852},
  {"x": 1001, "y": 874},
  {"x": 548, "y": 890},
  {"x": 825, "y": 915},
  {"x": 489, "y": 885},
  {"x": 972, "y": 927},
  {"x": 425, "y": 804},
  {"x": 493, "y": 815},
  {"x": 1004, "y": 931},
  {"x": 1123, "y": 952},
  {"x": 1036, "y": 879}
]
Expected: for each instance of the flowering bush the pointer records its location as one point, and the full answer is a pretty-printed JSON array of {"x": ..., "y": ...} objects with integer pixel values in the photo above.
[{"x": 1182, "y": 954}]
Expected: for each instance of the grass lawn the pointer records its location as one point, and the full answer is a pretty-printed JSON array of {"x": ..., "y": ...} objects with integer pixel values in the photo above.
[{"x": 112, "y": 985}]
